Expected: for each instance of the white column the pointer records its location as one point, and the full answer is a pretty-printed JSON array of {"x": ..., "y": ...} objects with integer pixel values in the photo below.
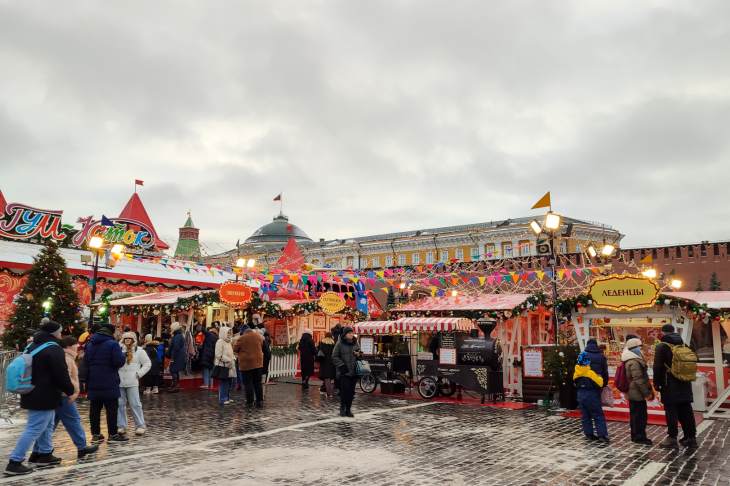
[{"x": 717, "y": 349}]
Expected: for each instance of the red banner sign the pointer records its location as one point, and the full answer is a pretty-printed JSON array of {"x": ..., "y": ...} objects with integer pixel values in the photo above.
[{"x": 234, "y": 293}]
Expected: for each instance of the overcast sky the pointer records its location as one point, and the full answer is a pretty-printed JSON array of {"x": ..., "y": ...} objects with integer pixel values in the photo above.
[{"x": 370, "y": 117}]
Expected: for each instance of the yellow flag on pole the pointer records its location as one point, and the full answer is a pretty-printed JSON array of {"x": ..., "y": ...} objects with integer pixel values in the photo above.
[
  {"x": 647, "y": 259},
  {"x": 544, "y": 202}
]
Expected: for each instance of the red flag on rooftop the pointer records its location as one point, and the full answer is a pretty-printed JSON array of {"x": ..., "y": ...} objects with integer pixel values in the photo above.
[{"x": 138, "y": 182}]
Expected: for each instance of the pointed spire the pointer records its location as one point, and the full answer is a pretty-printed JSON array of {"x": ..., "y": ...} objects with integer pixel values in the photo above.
[
  {"x": 189, "y": 222},
  {"x": 135, "y": 210}
]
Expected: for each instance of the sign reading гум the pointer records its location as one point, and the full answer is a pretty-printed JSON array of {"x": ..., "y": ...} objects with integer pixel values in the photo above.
[{"x": 623, "y": 292}]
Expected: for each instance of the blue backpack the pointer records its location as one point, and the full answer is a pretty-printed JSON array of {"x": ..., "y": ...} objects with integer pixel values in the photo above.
[{"x": 19, "y": 374}]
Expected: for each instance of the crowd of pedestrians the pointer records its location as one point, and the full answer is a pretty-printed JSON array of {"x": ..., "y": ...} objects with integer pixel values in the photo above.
[
  {"x": 674, "y": 370},
  {"x": 111, "y": 369}
]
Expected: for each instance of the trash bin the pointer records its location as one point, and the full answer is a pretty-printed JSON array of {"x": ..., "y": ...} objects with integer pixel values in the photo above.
[{"x": 699, "y": 393}]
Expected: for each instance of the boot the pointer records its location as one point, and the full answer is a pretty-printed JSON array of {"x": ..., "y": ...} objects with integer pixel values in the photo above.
[
  {"x": 15, "y": 468},
  {"x": 33, "y": 457},
  {"x": 87, "y": 450},
  {"x": 342, "y": 410},
  {"x": 47, "y": 460},
  {"x": 688, "y": 442},
  {"x": 348, "y": 412},
  {"x": 669, "y": 443}
]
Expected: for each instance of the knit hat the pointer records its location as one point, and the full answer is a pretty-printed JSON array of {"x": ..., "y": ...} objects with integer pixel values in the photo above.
[
  {"x": 51, "y": 327},
  {"x": 583, "y": 359},
  {"x": 667, "y": 328},
  {"x": 633, "y": 343},
  {"x": 175, "y": 327},
  {"x": 307, "y": 331}
]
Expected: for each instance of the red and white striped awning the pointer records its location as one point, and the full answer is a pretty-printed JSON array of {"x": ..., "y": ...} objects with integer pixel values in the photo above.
[
  {"x": 434, "y": 324},
  {"x": 375, "y": 327}
]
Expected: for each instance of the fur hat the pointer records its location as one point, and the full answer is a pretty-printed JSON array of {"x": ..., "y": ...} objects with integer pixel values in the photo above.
[
  {"x": 633, "y": 343},
  {"x": 307, "y": 331},
  {"x": 667, "y": 328},
  {"x": 175, "y": 327}
]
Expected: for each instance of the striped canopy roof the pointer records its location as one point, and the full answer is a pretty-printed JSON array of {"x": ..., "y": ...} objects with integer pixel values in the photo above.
[{"x": 407, "y": 324}]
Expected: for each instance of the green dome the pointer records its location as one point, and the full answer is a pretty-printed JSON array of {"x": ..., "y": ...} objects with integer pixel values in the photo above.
[{"x": 278, "y": 231}]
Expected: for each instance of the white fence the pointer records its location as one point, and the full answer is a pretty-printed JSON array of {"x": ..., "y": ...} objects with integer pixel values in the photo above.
[{"x": 284, "y": 365}]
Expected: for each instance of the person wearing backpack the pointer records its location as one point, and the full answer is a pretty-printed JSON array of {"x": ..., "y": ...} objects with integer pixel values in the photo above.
[
  {"x": 638, "y": 391},
  {"x": 49, "y": 380},
  {"x": 675, "y": 367}
]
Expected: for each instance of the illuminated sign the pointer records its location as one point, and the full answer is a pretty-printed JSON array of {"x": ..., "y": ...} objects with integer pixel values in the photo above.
[
  {"x": 235, "y": 293},
  {"x": 21, "y": 222},
  {"x": 623, "y": 292},
  {"x": 130, "y": 233},
  {"x": 331, "y": 303}
]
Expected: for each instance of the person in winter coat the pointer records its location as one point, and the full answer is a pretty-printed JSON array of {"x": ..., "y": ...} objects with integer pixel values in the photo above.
[
  {"x": 153, "y": 378},
  {"x": 136, "y": 365},
  {"x": 50, "y": 379},
  {"x": 327, "y": 369},
  {"x": 344, "y": 355},
  {"x": 207, "y": 356},
  {"x": 103, "y": 359},
  {"x": 639, "y": 390},
  {"x": 223, "y": 356},
  {"x": 589, "y": 385},
  {"x": 267, "y": 354},
  {"x": 598, "y": 360},
  {"x": 249, "y": 349},
  {"x": 307, "y": 355},
  {"x": 67, "y": 412},
  {"x": 676, "y": 395},
  {"x": 178, "y": 354},
  {"x": 336, "y": 332}
]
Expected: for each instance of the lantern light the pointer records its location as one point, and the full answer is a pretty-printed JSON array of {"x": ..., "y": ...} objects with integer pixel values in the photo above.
[
  {"x": 608, "y": 250},
  {"x": 536, "y": 228},
  {"x": 676, "y": 283},
  {"x": 241, "y": 262},
  {"x": 552, "y": 221},
  {"x": 649, "y": 273},
  {"x": 96, "y": 242},
  {"x": 251, "y": 263},
  {"x": 592, "y": 251},
  {"x": 117, "y": 250},
  {"x": 454, "y": 293}
]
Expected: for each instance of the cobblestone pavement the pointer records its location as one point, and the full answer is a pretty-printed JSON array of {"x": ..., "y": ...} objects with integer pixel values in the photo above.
[{"x": 297, "y": 439}]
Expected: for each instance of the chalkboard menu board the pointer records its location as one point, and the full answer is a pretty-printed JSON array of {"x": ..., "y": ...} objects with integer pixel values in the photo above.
[{"x": 447, "y": 341}]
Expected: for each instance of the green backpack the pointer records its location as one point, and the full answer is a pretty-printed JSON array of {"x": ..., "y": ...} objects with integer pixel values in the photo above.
[{"x": 684, "y": 363}]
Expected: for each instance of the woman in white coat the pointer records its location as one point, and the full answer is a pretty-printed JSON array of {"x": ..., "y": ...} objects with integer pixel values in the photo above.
[
  {"x": 224, "y": 357},
  {"x": 136, "y": 365}
]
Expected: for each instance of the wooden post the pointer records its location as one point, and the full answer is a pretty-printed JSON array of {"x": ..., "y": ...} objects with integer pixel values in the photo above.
[
  {"x": 717, "y": 348},
  {"x": 159, "y": 324},
  {"x": 139, "y": 323}
]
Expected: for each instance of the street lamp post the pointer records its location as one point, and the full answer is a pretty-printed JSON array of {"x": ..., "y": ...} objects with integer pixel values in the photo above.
[
  {"x": 95, "y": 244},
  {"x": 551, "y": 225}
]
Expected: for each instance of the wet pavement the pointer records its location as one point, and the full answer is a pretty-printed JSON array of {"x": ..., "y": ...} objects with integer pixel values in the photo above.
[{"x": 299, "y": 439}]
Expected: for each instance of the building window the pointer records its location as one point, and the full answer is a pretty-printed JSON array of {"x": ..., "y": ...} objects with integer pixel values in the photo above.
[
  {"x": 429, "y": 257},
  {"x": 444, "y": 256},
  {"x": 678, "y": 252},
  {"x": 690, "y": 251},
  {"x": 389, "y": 261},
  {"x": 703, "y": 250},
  {"x": 631, "y": 255},
  {"x": 666, "y": 253},
  {"x": 474, "y": 253},
  {"x": 401, "y": 260},
  {"x": 376, "y": 262},
  {"x": 524, "y": 248},
  {"x": 416, "y": 258},
  {"x": 459, "y": 254},
  {"x": 489, "y": 251},
  {"x": 507, "y": 249},
  {"x": 716, "y": 249}
]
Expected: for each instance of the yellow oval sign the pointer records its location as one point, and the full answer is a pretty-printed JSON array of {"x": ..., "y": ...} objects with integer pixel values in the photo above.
[
  {"x": 623, "y": 292},
  {"x": 331, "y": 303}
]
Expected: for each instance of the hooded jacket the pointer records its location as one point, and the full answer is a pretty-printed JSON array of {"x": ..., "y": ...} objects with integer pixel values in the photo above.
[
  {"x": 178, "y": 352},
  {"x": 599, "y": 363},
  {"x": 344, "y": 355},
  {"x": 307, "y": 354},
  {"x": 133, "y": 370},
  {"x": 103, "y": 359},
  {"x": 207, "y": 352},
  {"x": 50, "y": 376},
  {"x": 636, "y": 373},
  {"x": 326, "y": 366},
  {"x": 223, "y": 355},
  {"x": 70, "y": 354},
  {"x": 672, "y": 389}
]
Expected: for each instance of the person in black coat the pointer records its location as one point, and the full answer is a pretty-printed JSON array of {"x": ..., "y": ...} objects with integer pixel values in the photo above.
[
  {"x": 267, "y": 353},
  {"x": 178, "y": 356},
  {"x": 599, "y": 363},
  {"x": 327, "y": 369},
  {"x": 103, "y": 359},
  {"x": 676, "y": 395},
  {"x": 207, "y": 356},
  {"x": 153, "y": 378},
  {"x": 307, "y": 355},
  {"x": 50, "y": 379}
]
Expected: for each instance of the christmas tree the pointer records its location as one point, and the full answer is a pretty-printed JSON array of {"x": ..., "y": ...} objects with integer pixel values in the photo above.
[
  {"x": 715, "y": 282},
  {"x": 47, "y": 292}
]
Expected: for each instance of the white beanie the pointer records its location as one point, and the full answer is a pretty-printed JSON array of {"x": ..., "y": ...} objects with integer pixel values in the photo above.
[
  {"x": 175, "y": 326},
  {"x": 633, "y": 343}
]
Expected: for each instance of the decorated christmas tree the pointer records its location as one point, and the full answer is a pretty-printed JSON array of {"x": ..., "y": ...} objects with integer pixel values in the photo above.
[
  {"x": 715, "y": 282},
  {"x": 47, "y": 292}
]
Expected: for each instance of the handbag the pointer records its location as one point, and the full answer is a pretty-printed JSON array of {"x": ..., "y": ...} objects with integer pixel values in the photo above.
[
  {"x": 320, "y": 355},
  {"x": 607, "y": 396},
  {"x": 362, "y": 367},
  {"x": 220, "y": 372}
]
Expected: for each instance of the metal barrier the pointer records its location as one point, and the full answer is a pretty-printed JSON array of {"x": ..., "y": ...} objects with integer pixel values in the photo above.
[
  {"x": 283, "y": 365},
  {"x": 5, "y": 358}
]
